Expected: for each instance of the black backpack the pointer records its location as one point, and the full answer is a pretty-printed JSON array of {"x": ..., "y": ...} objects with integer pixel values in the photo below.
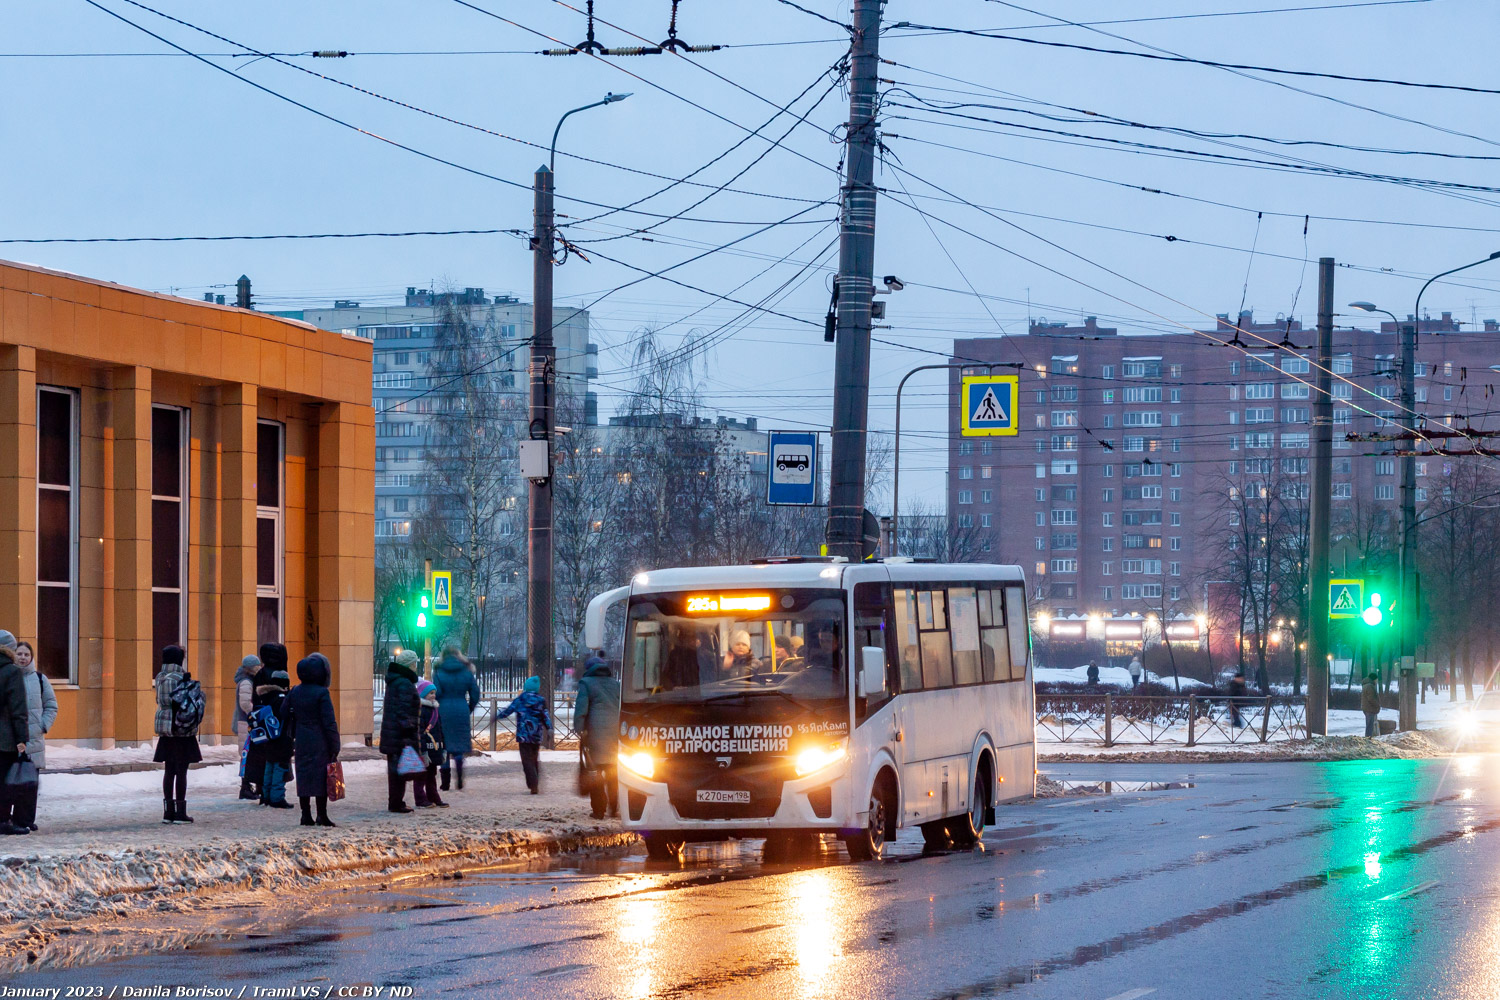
[{"x": 188, "y": 705}]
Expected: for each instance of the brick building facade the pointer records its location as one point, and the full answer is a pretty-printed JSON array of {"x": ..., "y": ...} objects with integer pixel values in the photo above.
[
  {"x": 179, "y": 472},
  {"x": 1108, "y": 495}
]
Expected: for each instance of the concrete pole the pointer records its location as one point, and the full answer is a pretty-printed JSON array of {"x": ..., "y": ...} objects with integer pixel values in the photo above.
[
  {"x": 1320, "y": 514},
  {"x": 1407, "y": 612},
  {"x": 855, "y": 289},
  {"x": 540, "y": 653}
]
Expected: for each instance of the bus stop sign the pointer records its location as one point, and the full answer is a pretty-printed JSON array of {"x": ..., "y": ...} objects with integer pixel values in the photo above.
[
  {"x": 1346, "y": 598},
  {"x": 792, "y": 468}
]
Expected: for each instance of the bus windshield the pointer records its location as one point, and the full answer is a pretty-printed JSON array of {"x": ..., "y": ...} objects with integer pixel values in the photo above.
[{"x": 693, "y": 647}]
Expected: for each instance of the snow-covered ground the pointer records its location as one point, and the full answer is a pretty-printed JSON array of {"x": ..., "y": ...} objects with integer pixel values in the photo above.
[{"x": 1116, "y": 676}]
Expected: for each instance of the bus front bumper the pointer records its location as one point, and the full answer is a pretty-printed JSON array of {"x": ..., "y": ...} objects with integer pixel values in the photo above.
[{"x": 645, "y": 807}]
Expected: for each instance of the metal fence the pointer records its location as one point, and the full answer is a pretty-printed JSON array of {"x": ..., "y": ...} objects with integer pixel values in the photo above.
[{"x": 1189, "y": 720}]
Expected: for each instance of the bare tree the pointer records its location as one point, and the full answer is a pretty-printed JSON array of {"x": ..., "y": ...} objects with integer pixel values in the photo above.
[
  {"x": 398, "y": 575},
  {"x": 586, "y": 493},
  {"x": 927, "y": 534}
]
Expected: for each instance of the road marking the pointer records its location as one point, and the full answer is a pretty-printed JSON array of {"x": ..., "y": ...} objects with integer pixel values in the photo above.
[
  {"x": 1132, "y": 994},
  {"x": 1408, "y": 892}
]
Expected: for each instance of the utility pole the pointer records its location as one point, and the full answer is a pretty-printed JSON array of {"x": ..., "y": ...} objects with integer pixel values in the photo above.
[
  {"x": 539, "y": 647},
  {"x": 1320, "y": 514},
  {"x": 1407, "y": 613},
  {"x": 427, "y": 632},
  {"x": 854, "y": 290}
]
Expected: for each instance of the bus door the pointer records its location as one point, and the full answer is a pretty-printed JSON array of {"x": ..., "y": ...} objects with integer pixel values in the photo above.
[{"x": 911, "y": 743}]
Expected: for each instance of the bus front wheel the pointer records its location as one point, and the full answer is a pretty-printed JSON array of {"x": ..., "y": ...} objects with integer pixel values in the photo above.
[
  {"x": 869, "y": 844},
  {"x": 969, "y": 827},
  {"x": 660, "y": 847}
]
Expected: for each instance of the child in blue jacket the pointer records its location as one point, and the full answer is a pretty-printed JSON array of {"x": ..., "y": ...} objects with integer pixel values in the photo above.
[{"x": 532, "y": 723}]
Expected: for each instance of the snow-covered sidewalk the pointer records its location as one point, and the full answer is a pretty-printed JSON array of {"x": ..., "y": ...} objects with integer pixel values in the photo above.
[{"x": 102, "y": 852}]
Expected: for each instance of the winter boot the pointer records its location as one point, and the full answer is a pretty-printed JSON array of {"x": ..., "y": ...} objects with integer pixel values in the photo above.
[
  {"x": 168, "y": 811},
  {"x": 446, "y": 774},
  {"x": 323, "y": 819},
  {"x": 248, "y": 791},
  {"x": 307, "y": 819},
  {"x": 182, "y": 816}
]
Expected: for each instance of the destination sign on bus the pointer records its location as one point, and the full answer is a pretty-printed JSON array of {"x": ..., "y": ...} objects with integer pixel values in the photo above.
[{"x": 705, "y": 603}]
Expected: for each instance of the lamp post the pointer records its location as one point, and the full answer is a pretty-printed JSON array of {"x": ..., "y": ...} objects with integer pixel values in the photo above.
[
  {"x": 1408, "y": 602},
  {"x": 542, "y": 375}
]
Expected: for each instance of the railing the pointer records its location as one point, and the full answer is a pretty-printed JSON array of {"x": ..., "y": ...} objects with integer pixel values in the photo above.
[{"x": 1189, "y": 720}]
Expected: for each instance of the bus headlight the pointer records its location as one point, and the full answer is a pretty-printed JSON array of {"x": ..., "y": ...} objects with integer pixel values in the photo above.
[
  {"x": 816, "y": 758},
  {"x": 639, "y": 762}
]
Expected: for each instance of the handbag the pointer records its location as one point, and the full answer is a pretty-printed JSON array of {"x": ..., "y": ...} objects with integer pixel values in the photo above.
[
  {"x": 585, "y": 774},
  {"x": 335, "y": 781},
  {"x": 21, "y": 777},
  {"x": 410, "y": 762}
]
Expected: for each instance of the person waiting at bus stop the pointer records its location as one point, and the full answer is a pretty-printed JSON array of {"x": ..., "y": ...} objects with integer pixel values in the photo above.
[{"x": 596, "y": 717}]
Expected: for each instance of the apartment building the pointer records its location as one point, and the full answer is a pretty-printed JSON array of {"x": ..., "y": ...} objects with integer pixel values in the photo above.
[{"x": 1109, "y": 494}]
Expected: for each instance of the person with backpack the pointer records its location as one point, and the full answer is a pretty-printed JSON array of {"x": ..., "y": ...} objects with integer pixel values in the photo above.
[
  {"x": 253, "y": 759},
  {"x": 269, "y": 728},
  {"x": 430, "y": 746},
  {"x": 41, "y": 713},
  {"x": 532, "y": 723},
  {"x": 315, "y": 735},
  {"x": 596, "y": 717},
  {"x": 400, "y": 714},
  {"x": 179, "y": 710},
  {"x": 457, "y": 694},
  {"x": 14, "y": 727}
]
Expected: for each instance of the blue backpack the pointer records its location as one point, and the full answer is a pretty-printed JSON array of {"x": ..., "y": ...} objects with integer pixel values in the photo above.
[{"x": 265, "y": 725}]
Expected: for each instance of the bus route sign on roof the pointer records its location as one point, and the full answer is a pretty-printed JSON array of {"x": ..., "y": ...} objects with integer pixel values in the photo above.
[
  {"x": 989, "y": 405},
  {"x": 1346, "y": 598}
]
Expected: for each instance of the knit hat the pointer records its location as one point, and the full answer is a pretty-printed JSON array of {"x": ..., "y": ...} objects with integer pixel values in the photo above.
[
  {"x": 740, "y": 637},
  {"x": 281, "y": 677},
  {"x": 250, "y": 661},
  {"x": 407, "y": 658},
  {"x": 533, "y": 684},
  {"x": 7, "y": 641},
  {"x": 173, "y": 654},
  {"x": 425, "y": 687}
]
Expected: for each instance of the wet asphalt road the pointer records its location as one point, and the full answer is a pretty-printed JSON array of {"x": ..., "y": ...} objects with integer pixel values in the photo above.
[{"x": 1370, "y": 879}]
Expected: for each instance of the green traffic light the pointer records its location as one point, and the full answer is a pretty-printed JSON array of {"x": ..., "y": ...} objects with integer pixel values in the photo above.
[
  {"x": 1372, "y": 615},
  {"x": 421, "y": 619},
  {"x": 424, "y": 600}
]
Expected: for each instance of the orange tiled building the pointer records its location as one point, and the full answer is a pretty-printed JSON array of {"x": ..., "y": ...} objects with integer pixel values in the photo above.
[{"x": 178, "y": 471}]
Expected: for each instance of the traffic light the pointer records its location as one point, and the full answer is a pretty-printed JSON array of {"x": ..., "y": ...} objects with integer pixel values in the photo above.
[
  {"x": 1372, "y": 615},
  {"x": 423, "y": 604}
]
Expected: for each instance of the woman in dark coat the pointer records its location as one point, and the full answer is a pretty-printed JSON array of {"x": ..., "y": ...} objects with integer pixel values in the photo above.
[
  {"x": 315, "y": 734},
  {"x": 399, "y": 715},
  {"x": 596, "y": 719},
  {"x": 457, "y": 694}
]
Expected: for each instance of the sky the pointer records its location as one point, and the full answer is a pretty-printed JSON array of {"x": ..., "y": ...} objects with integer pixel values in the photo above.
[{"x": 125, "y": 136}]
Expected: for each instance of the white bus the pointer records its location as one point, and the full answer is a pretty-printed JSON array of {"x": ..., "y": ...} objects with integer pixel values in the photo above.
[{"x": 806, "y": 696}]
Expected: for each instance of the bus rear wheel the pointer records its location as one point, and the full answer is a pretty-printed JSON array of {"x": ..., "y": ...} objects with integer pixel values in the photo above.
[
  {"x": 660, "y": 847},
  {"x": 967, "y": 829},
  {"x": 869, "y": 844}
]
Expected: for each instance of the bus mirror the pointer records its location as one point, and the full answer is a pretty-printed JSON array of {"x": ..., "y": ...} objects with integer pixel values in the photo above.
[{"x": 872, "y": 671}]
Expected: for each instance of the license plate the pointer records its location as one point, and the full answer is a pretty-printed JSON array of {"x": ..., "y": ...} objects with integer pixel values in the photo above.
[{"x": 711, "y": 795}]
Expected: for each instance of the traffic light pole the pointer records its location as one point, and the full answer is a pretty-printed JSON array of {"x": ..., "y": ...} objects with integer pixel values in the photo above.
[
  {"x": 855, "y": 291},
  {"x": 427, "y": 631},
  {"x": 1320, "y": 514}
]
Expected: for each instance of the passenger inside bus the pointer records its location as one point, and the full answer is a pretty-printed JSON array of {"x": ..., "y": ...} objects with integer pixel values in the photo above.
[
  {"x": 739, "y": 661},
  {"x": 685, "y": 663},
  {"x": 820, "y": 673}
]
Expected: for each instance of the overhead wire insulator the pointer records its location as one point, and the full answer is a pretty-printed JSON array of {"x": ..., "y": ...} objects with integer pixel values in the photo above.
[
  {"x": 330, "y": 54},
  {"x": 559, "y": 52},
  {"x": 632, "y": 50}
]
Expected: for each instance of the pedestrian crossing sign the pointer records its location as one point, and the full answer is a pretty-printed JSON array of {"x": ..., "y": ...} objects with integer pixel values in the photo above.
[
  {"x": 1346, "y": 598},
  {"x": 988, "y": 405},
  {"x": 442, "y": 593}
]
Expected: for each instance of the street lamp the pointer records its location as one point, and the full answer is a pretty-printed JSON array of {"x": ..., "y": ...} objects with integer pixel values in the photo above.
[{"x": 541, "y": 376}]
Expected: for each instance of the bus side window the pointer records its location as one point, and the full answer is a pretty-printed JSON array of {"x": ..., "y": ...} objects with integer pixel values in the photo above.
[
  {"x": 963, "y": 617},
  {"x": 1020, "y": 635},
  {"x": 937, "y": 651},
  {"x": 874, "y": 626},
  {"x": 995, "y": 648},
  {"x": 906, "y": 640}
]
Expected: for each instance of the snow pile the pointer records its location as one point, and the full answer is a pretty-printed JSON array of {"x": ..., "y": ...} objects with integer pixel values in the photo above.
[
  {"x": 102, "y": 853},
  {"x": 1399, "y": 746}
]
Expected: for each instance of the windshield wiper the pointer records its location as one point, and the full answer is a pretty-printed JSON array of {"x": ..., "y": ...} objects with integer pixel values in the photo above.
[{"x": 805, "y": 706}]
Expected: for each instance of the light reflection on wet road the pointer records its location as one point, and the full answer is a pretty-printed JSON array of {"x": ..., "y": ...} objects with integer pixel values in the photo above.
[{"x": 1371, "y": 878}]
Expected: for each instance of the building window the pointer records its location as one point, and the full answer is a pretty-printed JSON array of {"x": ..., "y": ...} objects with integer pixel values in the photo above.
[
  {"x": 966, "y": 447},
  {"x": 1041, "y": 471},
  {"x": 1385, "y": 467},
  {"x": 169, "y": 474},
  {"x": 1064, "y": 466},
  {"x": 1041, "y": 495},
  {"x": 965, "y": 496},
  {"x": 1065, "y": 565},
  {"x": 986, "y": 446},
  {"x": 1107, "y": 471},
  {"x": 1107, "y": 544},
  {"x": 1108, "y": 371},
  {"x": 1259, "y": 415},
  {"x": 1041, "y": 518},
  {"x": 1174, "y": 569},
  {"x": 1064, "y": 517},
  {"x": 1385, "y": 492},
  {"x": 1064, "y": 418},
  {"x": 1301, "y": 440},
  {"x": 1294, "y": 365},
  {"x": 1296, "y": 390},
  {"x": 1065, "y": 540},
  {"x": 1175, "y": 495},
  {"x": 986, "y": 496},
  {"x": 1176, "y": 395},
  {"x": 1234, "y": 367},
  {"x": 1106, "y": 593},
  {"x": 1175, "y": 519},
  {"x": 966, "y": 472},
  {"x": 985, "y": 520},
  {"x": 1041, "y": 543},
  {"x": 1342, "y": 491},
  {"x": 1175, "y": 544},
  {"x": 1108, "y": 495},
  {"x": 57, "y": 532},
  {"x": 986, "y": 471},
  {"x": 270, "y": 534},
  {"x": 1107, "y": 568},
  {"x": 1130, "y": 592},
  {"x": 1260, "y": 390},
  {"x": 1295, "y": 414}
]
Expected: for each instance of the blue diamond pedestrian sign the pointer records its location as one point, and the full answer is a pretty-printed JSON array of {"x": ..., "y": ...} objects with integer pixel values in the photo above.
[
  {"x": 1346, "y": 598},
  {"x": 989, "y": 405},
  {"x": 442, "y": 593}
]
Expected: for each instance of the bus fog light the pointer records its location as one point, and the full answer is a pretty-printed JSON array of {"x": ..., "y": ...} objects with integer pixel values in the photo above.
[
  {"x": 816, "y": 758},
  {"x": 639, "y": 762}
]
